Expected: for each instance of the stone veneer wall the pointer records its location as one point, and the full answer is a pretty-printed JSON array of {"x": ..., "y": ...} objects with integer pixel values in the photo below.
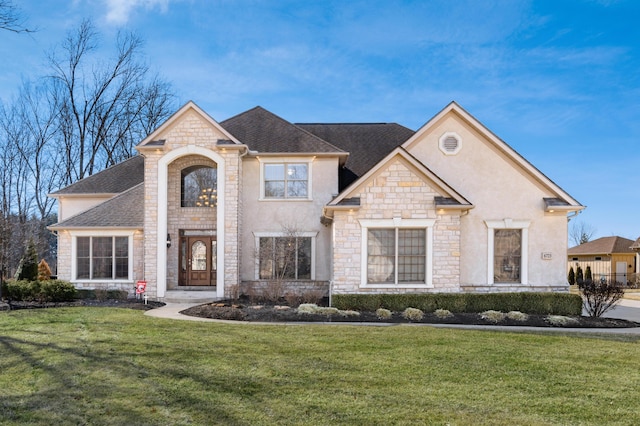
[
  {"x": 300, "y": 288},
  {"x": 192, "y": 129},
  {"x": 232, "y": 249},
  {"x": 396, "y": 192},
  {"x": 178, "y": 217},
  {"x": 64, "y": 266}
]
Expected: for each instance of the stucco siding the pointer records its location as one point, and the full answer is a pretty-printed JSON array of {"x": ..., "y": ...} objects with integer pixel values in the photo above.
[
  {"x": 285, "y": 216},
  {"x": 500, "y": 189}
]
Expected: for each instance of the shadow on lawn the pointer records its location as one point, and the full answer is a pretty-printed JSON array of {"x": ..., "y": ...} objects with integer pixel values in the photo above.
[{"x": 77, "y": 381}]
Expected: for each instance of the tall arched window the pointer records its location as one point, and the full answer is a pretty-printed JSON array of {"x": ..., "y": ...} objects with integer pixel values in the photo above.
[{"x": 199, "y": 187}]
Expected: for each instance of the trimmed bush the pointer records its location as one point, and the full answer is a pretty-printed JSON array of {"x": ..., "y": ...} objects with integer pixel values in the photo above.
[
  {"x": 493, "y": 316},
  {"x": 57, "y": 291},
  {"x": 560, "y": 320},
  {"x": 443, "y": 313},
  {"x": 39, "y": 291},
  {"x": 527, "y": 302},
  {"x": 98, "y": 294},
  {"x": 517, "y": 316},
  {"x": 384, "y": 314},
  {"x": 413, "y": 314}
]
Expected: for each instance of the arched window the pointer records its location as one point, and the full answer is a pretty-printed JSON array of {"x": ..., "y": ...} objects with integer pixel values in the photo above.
[{"x": 199, "y": 186}]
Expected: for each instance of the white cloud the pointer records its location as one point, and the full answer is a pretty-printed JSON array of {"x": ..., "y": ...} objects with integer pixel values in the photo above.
[{"x": 119, "y": 11}]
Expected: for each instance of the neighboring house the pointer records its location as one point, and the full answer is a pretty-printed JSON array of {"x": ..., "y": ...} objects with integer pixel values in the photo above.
[
  {"x": 221, "y": 207},
  {"x": 610, "y": 258}
]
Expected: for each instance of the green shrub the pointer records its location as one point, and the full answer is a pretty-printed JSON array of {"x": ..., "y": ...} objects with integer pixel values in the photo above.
[
  {"x": 99, "y": 294},
  {"x": 58, "y": 291},
  {"x": 528, "y": 302},
  {"x": 39, "y": 291},
  {"x": 413, "y": 314},
  {"x": 28, "y": 266}
]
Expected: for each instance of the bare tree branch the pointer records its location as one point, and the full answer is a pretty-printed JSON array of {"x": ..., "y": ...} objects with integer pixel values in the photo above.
[
  {"x": 581, "y": 233},
  {"x": 11, "y": 19}
]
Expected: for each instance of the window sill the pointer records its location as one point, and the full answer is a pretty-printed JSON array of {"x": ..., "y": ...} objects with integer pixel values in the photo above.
[
  {"x": 285, "y": 199},
  {"x": 119, "y": 281},
  {"x": 396, "y": 286}
]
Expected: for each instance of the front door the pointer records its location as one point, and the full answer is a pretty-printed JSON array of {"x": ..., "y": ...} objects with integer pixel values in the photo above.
[{"x": 198, "y": 261}]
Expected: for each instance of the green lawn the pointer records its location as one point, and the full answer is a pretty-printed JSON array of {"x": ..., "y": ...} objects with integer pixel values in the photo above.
[{"x": 118, "y": 367}]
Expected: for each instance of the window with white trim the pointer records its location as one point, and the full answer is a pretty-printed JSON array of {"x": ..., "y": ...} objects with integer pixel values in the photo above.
[
  {"x": 397, "y": 252},
  {"x": 508, "y": 251},
  {"x": 103, "y": 258},
  {"x": 507, "y": 255},
  {"x": 285, "y": 256},
  {"x": 285, "y": 180},
  {"x": 396, "y": 256}
]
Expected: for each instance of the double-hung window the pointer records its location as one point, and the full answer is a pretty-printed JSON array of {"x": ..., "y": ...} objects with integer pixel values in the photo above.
[
  {"x": 397, "y": 252},
  {"x": 285, "y": 180},
  {"x": 285, "y": 256},
  {"x": 102, "y": 258}
]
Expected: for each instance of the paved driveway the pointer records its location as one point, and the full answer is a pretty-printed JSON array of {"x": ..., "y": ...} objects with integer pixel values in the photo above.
[{"x": 626, "y": 309}]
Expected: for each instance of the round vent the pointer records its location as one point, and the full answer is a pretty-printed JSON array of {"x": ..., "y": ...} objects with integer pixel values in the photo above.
[{"x": 450, "y": 143}]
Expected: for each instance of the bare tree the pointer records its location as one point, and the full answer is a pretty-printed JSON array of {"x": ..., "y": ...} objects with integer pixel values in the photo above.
[
  {"x": 581, "y": 233},
  {"x": 105, "y": 108},
  {"x": 86, "y": 115},
  {"x": 36, "y": 114},
  {"x": 11, "y": 18}
]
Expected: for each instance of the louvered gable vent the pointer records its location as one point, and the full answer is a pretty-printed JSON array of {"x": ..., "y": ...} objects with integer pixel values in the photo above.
[{"x": 450, "y": 143}]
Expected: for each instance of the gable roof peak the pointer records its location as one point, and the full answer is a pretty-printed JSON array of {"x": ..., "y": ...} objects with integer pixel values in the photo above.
[{"x": 190, "y": 105}]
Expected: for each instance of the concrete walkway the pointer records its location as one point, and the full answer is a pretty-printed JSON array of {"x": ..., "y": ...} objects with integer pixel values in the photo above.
[{"x": 626, "y": 309}]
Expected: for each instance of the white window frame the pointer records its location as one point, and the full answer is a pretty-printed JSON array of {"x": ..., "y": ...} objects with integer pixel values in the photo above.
[
  {"x": 397, "y": 223},
  {"x": 312, "y": 235},
  {"x": 285, "y": 161},
  {"x": 522, "y": 225},
  {"x": 74, "y": 254}
]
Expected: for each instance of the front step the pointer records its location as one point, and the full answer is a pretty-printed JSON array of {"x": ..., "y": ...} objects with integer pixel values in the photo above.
[{"x": 181, "y": 296}]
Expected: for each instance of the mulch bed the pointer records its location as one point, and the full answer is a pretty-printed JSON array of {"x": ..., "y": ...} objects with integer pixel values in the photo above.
[
  {"x": 282, "y": 313},
  {"x": 276, "y": 313},
  {"x": 112, "y": 303}
]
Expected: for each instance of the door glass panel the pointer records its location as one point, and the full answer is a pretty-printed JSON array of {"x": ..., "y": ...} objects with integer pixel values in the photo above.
[
  {"x": 183, "y": 254},
  {"x": 214, "y": 254},
  {"x": 198, "y": 256}
]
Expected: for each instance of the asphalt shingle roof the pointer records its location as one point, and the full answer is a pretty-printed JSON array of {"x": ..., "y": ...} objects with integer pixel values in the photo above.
[
  {"x": 125, "y": 210},
  {"x": 112, "y": 180},
  {"x": 264, "y": 131},
  {"x": 604, "y": 245},
  {"x": 366, "y": 143}
]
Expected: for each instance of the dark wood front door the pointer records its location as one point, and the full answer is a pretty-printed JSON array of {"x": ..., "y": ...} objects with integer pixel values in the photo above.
[{"x": 198, "y": 261}]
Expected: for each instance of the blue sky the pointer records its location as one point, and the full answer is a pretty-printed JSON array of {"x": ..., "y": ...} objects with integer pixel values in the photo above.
[{"x": 557, "y": 80}]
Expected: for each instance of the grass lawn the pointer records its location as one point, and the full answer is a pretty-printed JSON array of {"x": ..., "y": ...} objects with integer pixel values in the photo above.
[{"x": 104, "y": 366}]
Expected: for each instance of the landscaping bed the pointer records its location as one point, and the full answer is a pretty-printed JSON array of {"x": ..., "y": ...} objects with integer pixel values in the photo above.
[
  {"x": 111, "y": 303},
  {"x": 282, "y": 313}
]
